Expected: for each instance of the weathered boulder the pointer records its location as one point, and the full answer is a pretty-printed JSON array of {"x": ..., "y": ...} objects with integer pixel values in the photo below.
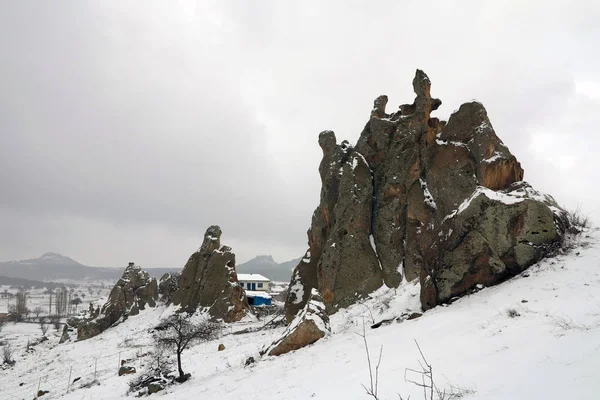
[
  {"x": 440, "y": 202},
  {"x": 221, "y": 347},
  {"x": 491, "y": 236},
  {"x": 126, "y": 370},
  {"x": 309, "y": 325},
  {"x": 155, "y": 387},
  {"x": 209, "y": 280},
  {"x": 135, "y": 290}
]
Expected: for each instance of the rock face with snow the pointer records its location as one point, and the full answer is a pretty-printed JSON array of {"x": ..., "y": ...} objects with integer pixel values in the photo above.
[
  {"x": 133, "y": 292},
  {"x": 209, "y": 280},
  {"x": 168, "y": 285},
  {"x": 419, "y": 198},
  {"x": 308, "y": 326}
]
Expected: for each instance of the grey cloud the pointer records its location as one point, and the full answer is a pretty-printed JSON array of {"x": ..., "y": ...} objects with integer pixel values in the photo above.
[{"x": 138, "y": 125}]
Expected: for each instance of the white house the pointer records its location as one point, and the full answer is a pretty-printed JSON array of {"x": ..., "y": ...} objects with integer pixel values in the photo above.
[{"x": 254, "y": 282}]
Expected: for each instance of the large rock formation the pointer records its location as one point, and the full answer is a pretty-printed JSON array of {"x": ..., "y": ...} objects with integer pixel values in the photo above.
[
  {"x": 421, "y": 198},
  {"x": 133, "y": 292},
  {"x": 209, "y": 281}
]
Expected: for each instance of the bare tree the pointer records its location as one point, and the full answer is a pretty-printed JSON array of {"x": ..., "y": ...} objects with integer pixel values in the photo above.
[
  {"x": 50, "y": 304},
  {"x": 15, "y": 315},
  {"x": 37, "y": 311},
  {"x": 60, "y": 301},
  {"x": 20, "y": 308},
  {"x": 178, "y": 332},
  {"x": 75, "y": 302},
  {"x": 43, "y": 326}
]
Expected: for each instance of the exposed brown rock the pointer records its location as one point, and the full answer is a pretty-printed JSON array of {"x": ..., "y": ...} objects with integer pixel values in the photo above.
[
  {"x": 470, "y": 126},
  {"x": 209, "y": 280},
  {"x": 310, "y": 325},
  {"x": 133, "y": 292},
  {"x": 126, "y": 370},
  {"x": 64, "y": 337},
  {"x": 340, "y": 261},
  {"x": 441, "y": 201},
  {"x": 169, "y": 283}
]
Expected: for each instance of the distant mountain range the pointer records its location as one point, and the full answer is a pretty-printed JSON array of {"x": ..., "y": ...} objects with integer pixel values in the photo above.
[
  {"x": 54, "y": 266},
  {"x": 266, "y": 266}
]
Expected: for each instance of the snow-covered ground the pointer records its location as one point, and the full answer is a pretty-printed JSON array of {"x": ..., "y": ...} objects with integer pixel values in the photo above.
[
  {"x": 536, "y": 336},
  {"x": 94, "y": 292}
]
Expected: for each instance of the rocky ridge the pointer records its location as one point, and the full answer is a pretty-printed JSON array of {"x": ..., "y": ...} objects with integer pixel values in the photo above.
[
  {"x": 419, "y": 198},
  {"x": 208, "y": 283},
  {"x": 133, "y": 292}
]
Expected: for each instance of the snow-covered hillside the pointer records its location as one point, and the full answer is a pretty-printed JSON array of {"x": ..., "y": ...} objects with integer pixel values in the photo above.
[{"x": 536, "y": 336}]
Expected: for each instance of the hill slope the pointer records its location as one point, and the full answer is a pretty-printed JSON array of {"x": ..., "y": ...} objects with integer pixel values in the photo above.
[{"x": 536, "y": 336}]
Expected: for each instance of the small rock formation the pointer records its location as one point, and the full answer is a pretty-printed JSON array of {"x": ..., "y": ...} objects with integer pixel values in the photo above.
[
  {"x": 126, "y": 370},
  {"x": 132, "y": 293},
  {"x": 154, "y": 387},
  {"x": 419, "y": 198},
  {"x": 169, "y": 283},
  {"x": 310, "y": 325},
  {"x": 65, "y": 335},
  {"x": 209, "y": 280},
  {"x": 221, "y": 347}
]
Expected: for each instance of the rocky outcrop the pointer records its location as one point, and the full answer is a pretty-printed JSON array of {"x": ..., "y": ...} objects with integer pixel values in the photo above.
[
  {"x": 209, "y": 281},
  {"x": 341, "y": 260},
  {"x": 168, "y": 285},
  {"x": 492, "y": 235},
  {"x": 133, "y": 292},
  {"x": 419, "y": 198},
  {"x": 64, "y": 337},
  {"x": 308, "y": 326}
]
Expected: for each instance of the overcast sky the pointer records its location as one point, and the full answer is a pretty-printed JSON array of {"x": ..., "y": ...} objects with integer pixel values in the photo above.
[{"x": 128, "y": 127}]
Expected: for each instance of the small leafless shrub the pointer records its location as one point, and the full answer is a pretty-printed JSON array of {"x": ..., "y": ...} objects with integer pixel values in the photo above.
[
  {"x": 575, "y": 222},
  {"x": 431, "y": 391},
  {"x": 512, "y": 313},
  {"x": 372, "y": 389},
  {"x": 7, "y": 354},
  {"x": 37, "y": 311},
  {"x": 578, "y": 221},
  {"x": 422, "y": 377},
  {"x": 369, "y": 311},
  {"x": 567, "y": 324},
  {"x": 159, "y": 370}
]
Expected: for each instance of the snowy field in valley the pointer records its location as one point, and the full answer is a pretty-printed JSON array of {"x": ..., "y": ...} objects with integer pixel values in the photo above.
[
  {"x": 537, "y": 336},
  {"x": 95, "y": 292}
]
